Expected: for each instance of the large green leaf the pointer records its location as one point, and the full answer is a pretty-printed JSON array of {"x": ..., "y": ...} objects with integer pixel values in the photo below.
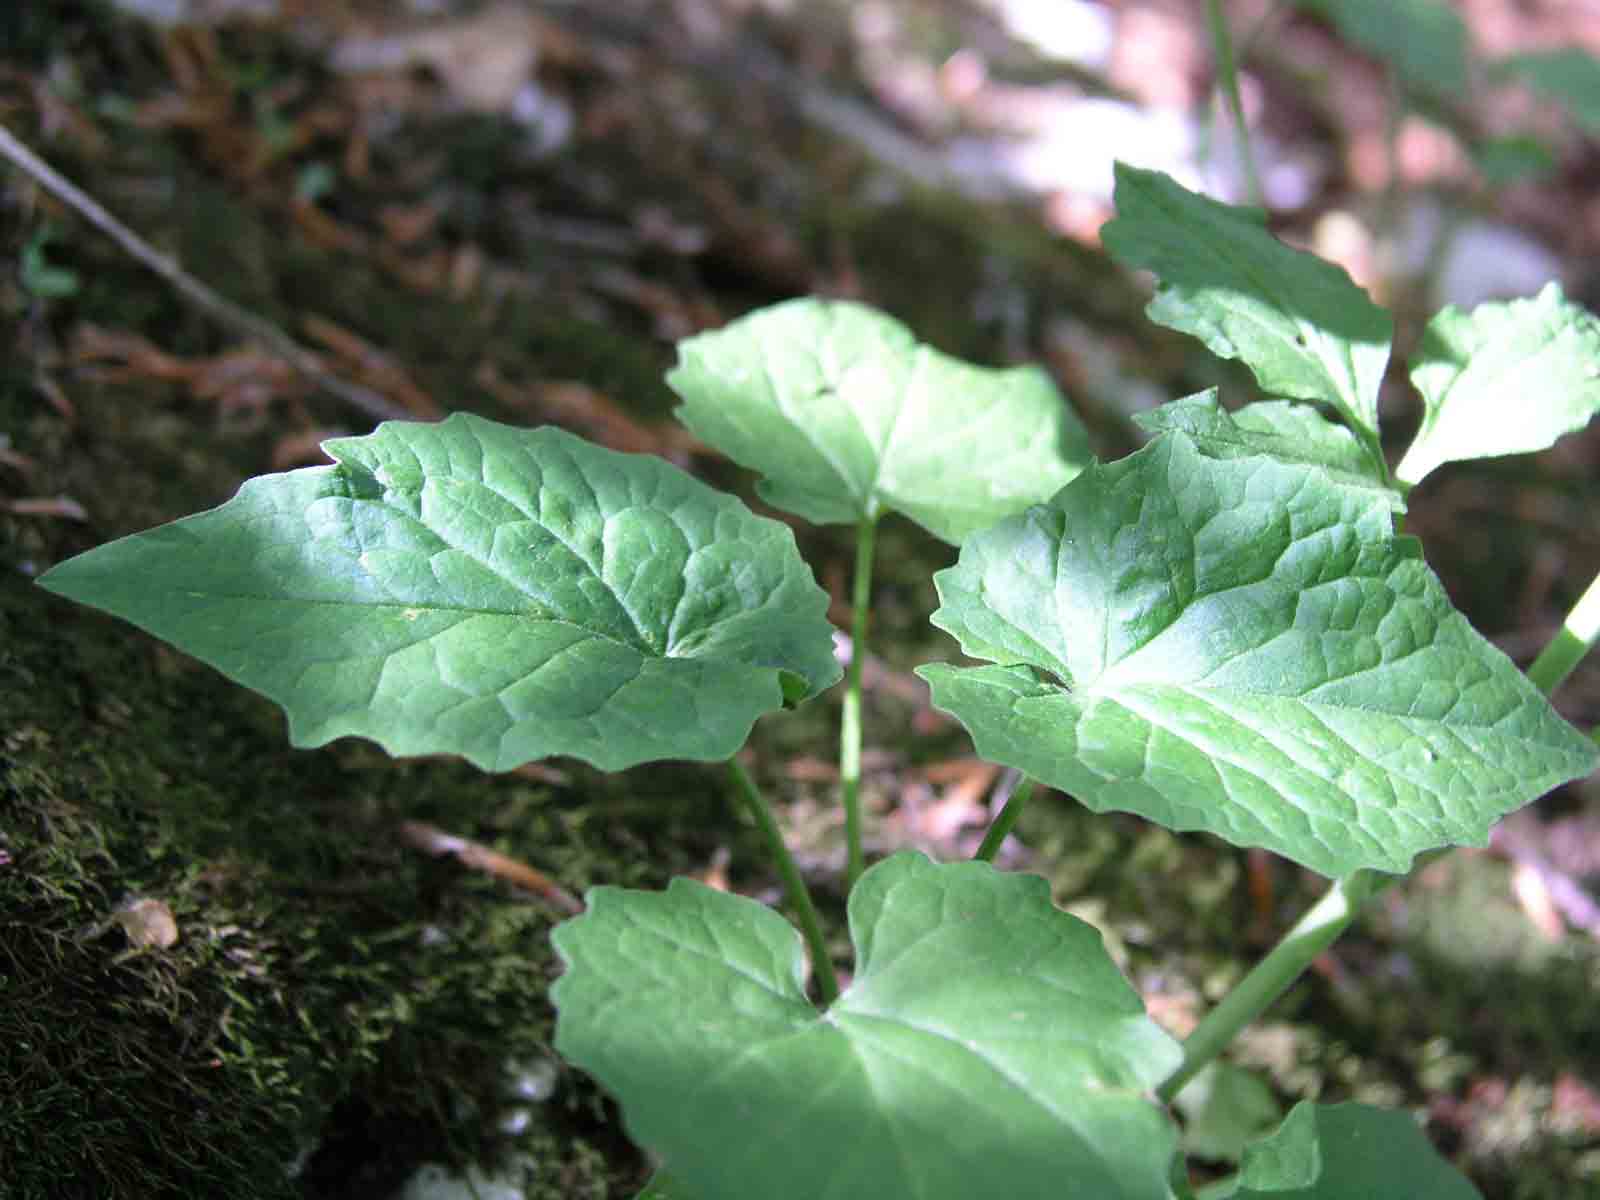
[
  {"x": 848, "y": 417},
  {"x": 1298, "y": 322},
  {"x": 1242, "y": 646},
  {"x": 1425, "y": 41},
  {"x": 468, "y": 588},
  {"x": 986, "y": 1047},
  {"x": 1507, "y": 378},
  {"x": 1347, "y": 1152},
  {"x": 1284, "y": 429}
]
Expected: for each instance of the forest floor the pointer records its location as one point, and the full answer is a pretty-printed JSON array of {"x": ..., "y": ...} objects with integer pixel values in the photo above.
[{"x": 516, "y": 208}]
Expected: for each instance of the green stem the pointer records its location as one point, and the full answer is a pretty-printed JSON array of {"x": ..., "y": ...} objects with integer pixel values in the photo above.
[
  {"x": 1271, "y": 977},
  {"x": 1572, "y": 641},
  {"x": 850, "y": 725},
  {"x": 793, "y": 884},
  {"x": 1391, "y": 200},
  {"x": 1179, "y": 1178},
  {"x": 1228, "y": 81},
  {"x": 1002, "y": 824}
]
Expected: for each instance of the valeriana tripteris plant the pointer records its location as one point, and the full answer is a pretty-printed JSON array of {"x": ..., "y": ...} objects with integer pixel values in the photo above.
[{"x": 1223, "y": 631}]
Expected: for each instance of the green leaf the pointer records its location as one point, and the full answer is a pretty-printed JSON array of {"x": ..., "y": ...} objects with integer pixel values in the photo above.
[
  {"x": 848, "y": 417},
  {"x": 1570, "y": 76},
  {"x": 1507, "y": 378},
  {"x": 1283, "y": 429},
  {"x": 1425, "y": 41},
  {"x": 1301, "y": 326},
  {"x": 38, "y": 277},
  {"x": 1347, "y": 1152},
  {"x": 1224, "y": 1109},
  {"x": 1507, "y": 160},
  {"x": 986, "y": 1047},
  {"x": 502, "y": 594},
  {"x": 1242, "y": 646}
]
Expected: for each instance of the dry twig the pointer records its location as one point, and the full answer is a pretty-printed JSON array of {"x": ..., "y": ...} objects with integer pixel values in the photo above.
[{"x": 219, "y": 307}]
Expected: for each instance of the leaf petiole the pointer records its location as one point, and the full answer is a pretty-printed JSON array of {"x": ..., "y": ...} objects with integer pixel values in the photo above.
[
  {"x": 850, "y": 722},
  {"x": 1006, "y": 819},
  {"x": 1228, "y": 85},
  {"x": 1572, "y": 641},
  {"x": 795, "y": 887},
  {"x": 1318, "y": 929}
]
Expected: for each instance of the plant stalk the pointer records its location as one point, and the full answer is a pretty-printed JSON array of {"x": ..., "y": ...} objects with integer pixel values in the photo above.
[
  {"x": 1007, "y": 818},
  {"x": 1391, "y": 200},
  {"x": 1270, "y": 978},
  {"x": 799, "y": 896},
  {"x": 1228, "y": 82},
  {"x": 1572, "y": 641},
  {"x": 850, "y": 724}
]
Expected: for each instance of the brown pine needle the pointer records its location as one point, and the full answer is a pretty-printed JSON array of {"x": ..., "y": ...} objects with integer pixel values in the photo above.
[{"x": 432, "y": 840}]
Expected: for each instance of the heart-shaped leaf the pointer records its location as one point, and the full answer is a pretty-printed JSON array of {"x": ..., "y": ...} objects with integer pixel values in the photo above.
[
  {"x": 1346, "y": 1152},
  {"x": 1283, "y": 429},
  {"x": 1242, "y": 646},
  {"x": 1298, "y": 322},
  {"x": 848, "y": 417},
  {"x": 1507, "y": 378},
  {"x": 986, "y": 1047},
  {"x": 468, "y": 588}
]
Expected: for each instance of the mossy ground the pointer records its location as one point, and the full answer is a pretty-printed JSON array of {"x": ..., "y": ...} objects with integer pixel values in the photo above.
[{"x": 325, "y": 978}]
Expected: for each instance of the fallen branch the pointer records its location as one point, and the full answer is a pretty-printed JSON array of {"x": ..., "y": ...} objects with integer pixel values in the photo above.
[{"x": 219, "y": 307}]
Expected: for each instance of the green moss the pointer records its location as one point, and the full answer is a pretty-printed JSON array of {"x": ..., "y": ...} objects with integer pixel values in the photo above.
[
  {"x": 119, "y": 1062},
  {"x": 325, "y": 975}
]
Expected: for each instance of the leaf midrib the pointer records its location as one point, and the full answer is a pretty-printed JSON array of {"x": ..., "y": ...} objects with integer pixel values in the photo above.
[
  {"x": 268, "y": 601},
  {"x": 643, "y": 643}
]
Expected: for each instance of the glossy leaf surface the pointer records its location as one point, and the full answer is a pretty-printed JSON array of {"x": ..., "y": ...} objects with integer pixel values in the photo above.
[
  {"x": 469, "y": 588},
  {"x": 1301, "y": 326},
  {"x": 847, "y": 417},
  {"x": 1242, "y": 646},
  {"x": 1506, "y": 378},
  {"x": 986, "y": 1047},
  {"x": 1347, "y": 1152}
]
